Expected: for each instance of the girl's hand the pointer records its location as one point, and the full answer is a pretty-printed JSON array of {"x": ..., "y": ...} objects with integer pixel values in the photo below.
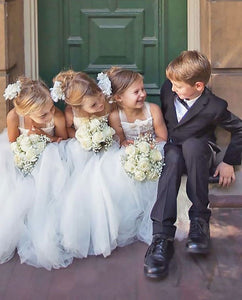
[
  {"x": 35, "y": 130},
  {"x": 59, "y": 139},
  {"x": 125, "y": 143}
]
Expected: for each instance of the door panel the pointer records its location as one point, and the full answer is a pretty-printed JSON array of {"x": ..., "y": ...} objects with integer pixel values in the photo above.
[{"x": 91, "y": 36}]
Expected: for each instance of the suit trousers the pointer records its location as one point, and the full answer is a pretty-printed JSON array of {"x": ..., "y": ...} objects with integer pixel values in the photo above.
[{"x": 192, "y": 158}]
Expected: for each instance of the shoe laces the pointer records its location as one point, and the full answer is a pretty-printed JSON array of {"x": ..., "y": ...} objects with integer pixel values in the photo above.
[
  {"x": 196, "y": 229},
  {"x": 159, "y": 247}
]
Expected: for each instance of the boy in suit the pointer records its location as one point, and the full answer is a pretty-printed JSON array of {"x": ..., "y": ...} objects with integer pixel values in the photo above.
[{"x": 191, "y": 113}]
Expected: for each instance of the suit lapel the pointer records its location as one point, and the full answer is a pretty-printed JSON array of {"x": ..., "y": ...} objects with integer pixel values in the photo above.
[
  {"x": 172, "y": 110},
  {"x": 195, "y": 109}
]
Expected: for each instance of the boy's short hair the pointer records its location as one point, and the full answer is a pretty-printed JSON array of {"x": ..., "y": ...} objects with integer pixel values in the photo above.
[{"x": 189, "y": 67}]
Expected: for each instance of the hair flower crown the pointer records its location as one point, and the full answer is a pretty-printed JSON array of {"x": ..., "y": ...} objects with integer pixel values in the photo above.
[
  {"x": 56, "y": 92},
  {"x": 12, "y": 90},
  {"x": 104, "y": 83}
]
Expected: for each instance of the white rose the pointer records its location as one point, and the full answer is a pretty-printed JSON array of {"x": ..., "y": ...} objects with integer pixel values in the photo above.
[
  {"x": 31, "y": 154},
  {"x": 108, "y": 132},
  {"x": 130, "y": 150},
  {"x": 39, "y": 147},
  {"x": 130, "y": 166},
  {"x": 86, "y": 143},
  {"x": 18, "y": 160},
  {"x": 81, "y": 134},
  {"x": 14, "y": 147},
  {"x": 144, "y": 147},
  {"x": 25, "y": 143},
  {"x": 85, "y": 122},
  {"x": 34, "y": 138},
  {"x": 139, "y": 175},
  {"x": 155, "y": 155},
  {"x": 98, "y": 137},
  {"x": 153, "y": 175},
  {"x": 94, "y": 123},
  {"x": 144, "y": 164}
]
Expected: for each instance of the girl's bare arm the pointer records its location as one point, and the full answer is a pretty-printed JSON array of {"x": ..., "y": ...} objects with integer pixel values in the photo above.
[{"x": 158, "y": 122}]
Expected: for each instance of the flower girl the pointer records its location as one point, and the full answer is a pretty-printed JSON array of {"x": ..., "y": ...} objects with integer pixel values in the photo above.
[
  {"x": 90, "y": 219},
  {"x": 31, "y": 124},
  {"x": 133, "y": 118}
]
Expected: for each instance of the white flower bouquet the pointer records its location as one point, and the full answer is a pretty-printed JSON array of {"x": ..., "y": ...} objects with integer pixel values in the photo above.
[
  {"x": 95, "y": 134},
  {"x": 27, "y": 150},
  {"x": 142, "y": 160}
]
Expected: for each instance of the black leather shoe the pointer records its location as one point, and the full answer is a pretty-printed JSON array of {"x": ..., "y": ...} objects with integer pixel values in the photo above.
[
  {"x": 198, "y": 237},
  {"x": 158, "y": 256}
]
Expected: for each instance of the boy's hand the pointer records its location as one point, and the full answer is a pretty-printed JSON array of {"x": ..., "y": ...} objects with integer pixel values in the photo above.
[{"x": 226, "y": 174}]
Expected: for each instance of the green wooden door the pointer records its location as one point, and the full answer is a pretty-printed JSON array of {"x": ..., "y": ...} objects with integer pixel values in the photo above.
[{"x": 91, "y": 36}]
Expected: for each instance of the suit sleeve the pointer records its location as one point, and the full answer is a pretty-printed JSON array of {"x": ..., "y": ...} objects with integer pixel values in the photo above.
[
  {"x": 166, "y": 88},
  {"x": 233, "y": 124}
]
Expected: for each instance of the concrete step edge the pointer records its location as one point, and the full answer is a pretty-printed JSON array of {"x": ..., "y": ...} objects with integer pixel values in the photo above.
[{"x": 225, "y": 201}]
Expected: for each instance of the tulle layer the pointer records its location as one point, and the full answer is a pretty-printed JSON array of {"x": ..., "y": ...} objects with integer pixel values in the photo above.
[{"x": 75, "y": 203}]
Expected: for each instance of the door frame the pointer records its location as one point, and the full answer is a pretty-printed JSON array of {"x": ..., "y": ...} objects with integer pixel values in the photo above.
[{"x": 31, "y": 33}]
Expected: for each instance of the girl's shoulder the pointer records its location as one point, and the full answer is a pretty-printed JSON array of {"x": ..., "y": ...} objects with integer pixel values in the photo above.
[
  {"x": 12, "y": 116},
  {"x": 114, "y": 116},
  {"x": 68, "y": 109},
  {"x": 58, "y": 113},
  {"x": 154, "y": 108},
  {"x": 113, "y": 107},
  {"x": 59, "y": 117},
  {"x": 114, "y": 113}
]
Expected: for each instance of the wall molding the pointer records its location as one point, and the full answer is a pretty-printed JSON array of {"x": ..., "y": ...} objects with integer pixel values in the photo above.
[
  {"x": 193, "y": 24},
  {"x": 31, "y": 39}
]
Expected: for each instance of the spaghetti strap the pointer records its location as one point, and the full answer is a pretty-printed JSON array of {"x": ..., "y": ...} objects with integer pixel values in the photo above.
[
  {"x": 21, "y": 121},
  {"x": 147, "y": 112},
  {"x": 122, "y": 116}
]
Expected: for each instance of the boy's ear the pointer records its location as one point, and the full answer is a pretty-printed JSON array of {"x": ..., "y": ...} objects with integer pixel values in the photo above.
[{"x": 199, "y": 86}]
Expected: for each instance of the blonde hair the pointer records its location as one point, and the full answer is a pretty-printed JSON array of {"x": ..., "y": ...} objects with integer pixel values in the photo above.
[
  {"x": 189, "y": 67},
  {"x": 121, "y": 79},
  {"x": 33, "y": 96},
  {"x": 77, "y": 85}
]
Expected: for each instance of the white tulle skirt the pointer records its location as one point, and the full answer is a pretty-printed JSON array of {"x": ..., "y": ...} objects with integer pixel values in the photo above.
[
  {"x": 16, "y": 198},
  {"x": 75, "y": 203},
  {"x": 40, "y": 244}
]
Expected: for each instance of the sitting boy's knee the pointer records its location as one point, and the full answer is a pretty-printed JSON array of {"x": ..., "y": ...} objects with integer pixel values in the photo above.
[{"x": 195, "y": 146}]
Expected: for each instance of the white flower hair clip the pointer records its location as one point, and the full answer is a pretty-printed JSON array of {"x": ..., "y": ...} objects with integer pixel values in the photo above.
[
  {"x": 12, "y": 90},
  {"x": 56, "y": 92},
  {"x": 104, "y": 83}
]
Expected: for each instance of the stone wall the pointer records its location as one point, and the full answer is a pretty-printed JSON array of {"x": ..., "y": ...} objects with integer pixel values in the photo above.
[
  {"x": 11, "y": 48},
  {"x": 221, "y": 41}
]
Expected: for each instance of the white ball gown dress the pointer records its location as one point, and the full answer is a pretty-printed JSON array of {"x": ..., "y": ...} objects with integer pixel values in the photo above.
[
  {"x": 16, "y": 197},
  {"x": 134, "y": 200},
  {"x": 85, "y": 203},
  {"x": 39, "y": 243},
  {"x": 88, "y": 221}
]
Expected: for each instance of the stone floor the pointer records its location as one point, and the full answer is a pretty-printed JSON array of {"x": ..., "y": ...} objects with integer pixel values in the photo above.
[{"x": 120, "y": 277}]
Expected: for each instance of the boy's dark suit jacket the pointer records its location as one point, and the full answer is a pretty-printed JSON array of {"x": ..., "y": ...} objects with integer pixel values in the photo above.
[{"x": 201, "y": 120}]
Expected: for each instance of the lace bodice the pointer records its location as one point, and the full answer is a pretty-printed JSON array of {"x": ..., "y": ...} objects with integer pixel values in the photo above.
[
  {"x": 132, "y": 130},
  {"x": 48, "y": 129}
]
